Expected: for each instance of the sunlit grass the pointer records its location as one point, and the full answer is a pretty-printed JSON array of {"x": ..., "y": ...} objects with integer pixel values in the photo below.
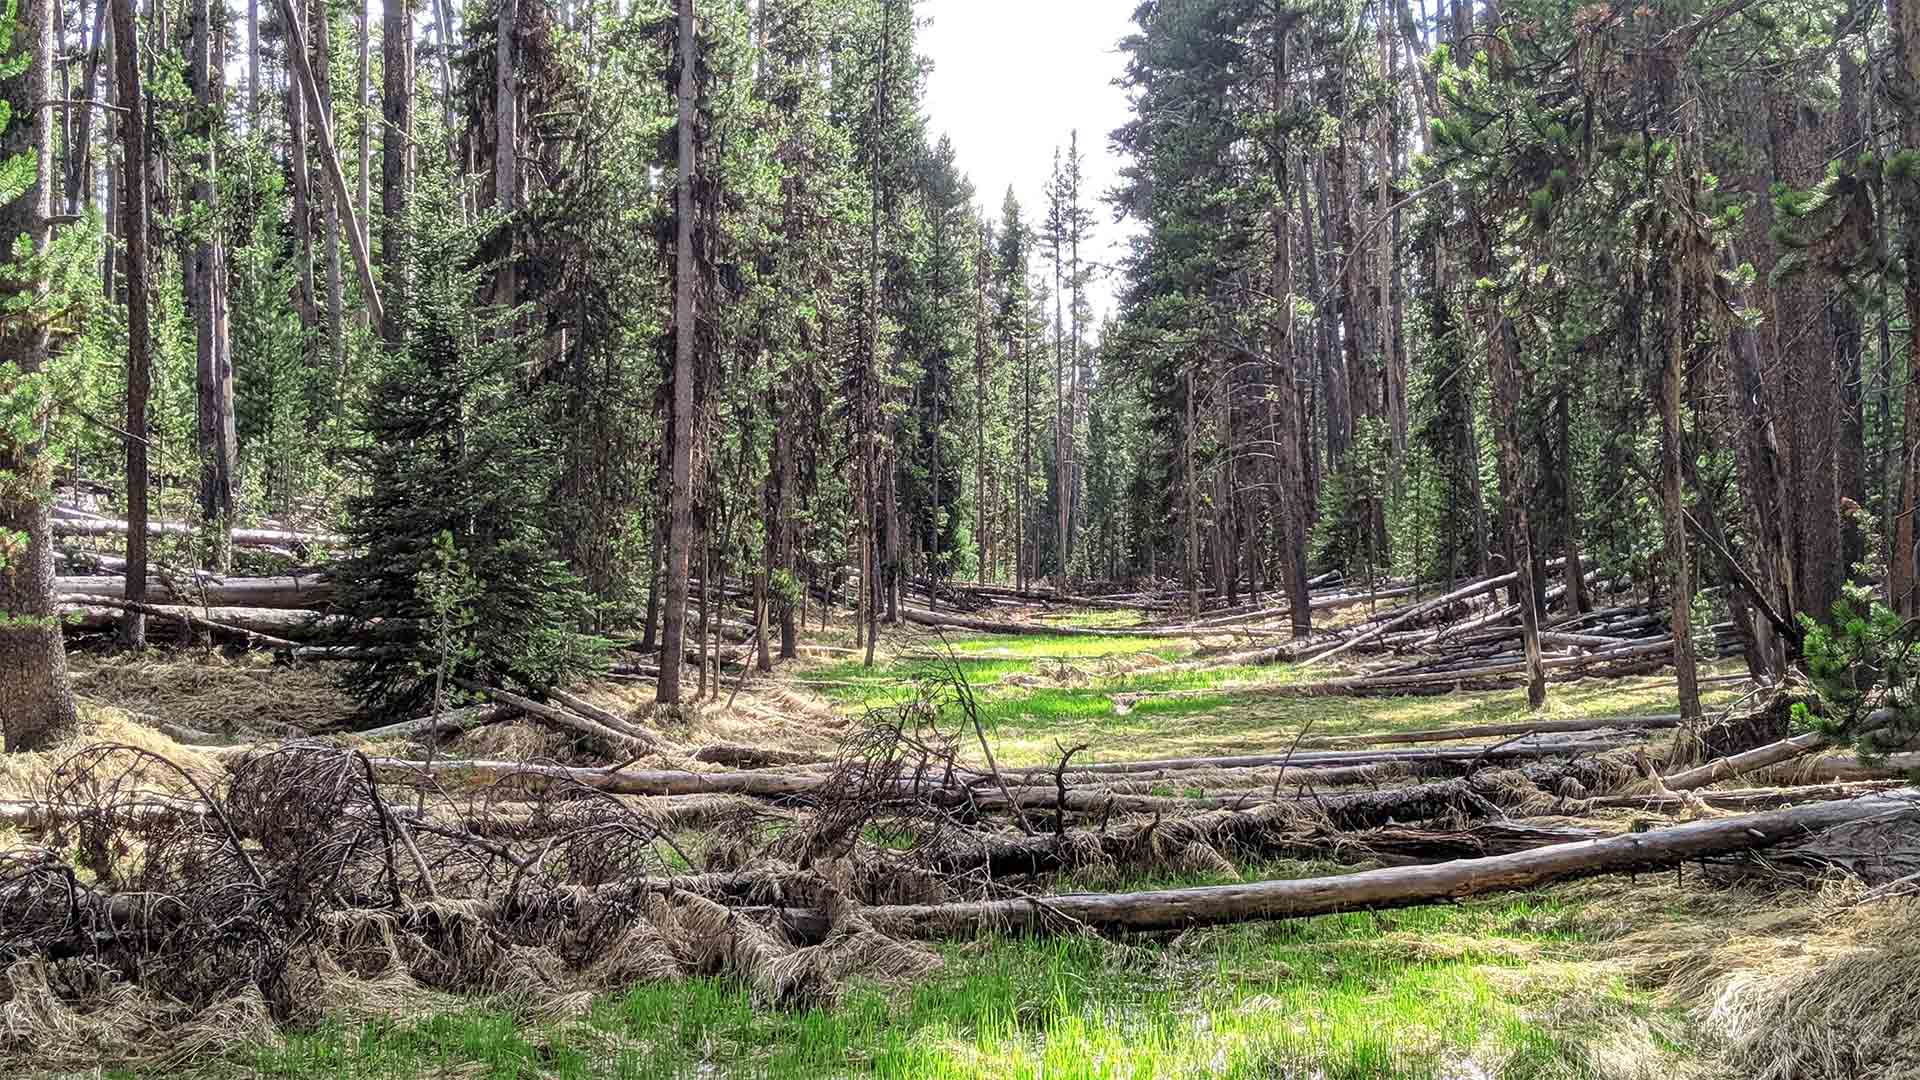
[{"x": 1498, "y": 988}]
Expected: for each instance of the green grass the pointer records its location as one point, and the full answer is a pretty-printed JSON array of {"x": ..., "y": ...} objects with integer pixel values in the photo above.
[
  {"x": 1037, "y": 692},
  {"x": 1425, "y": 993}
]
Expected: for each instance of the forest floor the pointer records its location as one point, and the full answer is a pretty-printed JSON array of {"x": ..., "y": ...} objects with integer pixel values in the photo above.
[{"x": 1613, "y": 978}]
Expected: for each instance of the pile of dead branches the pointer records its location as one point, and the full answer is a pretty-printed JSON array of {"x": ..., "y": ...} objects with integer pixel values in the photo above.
[{"x": 310, "y": 876}]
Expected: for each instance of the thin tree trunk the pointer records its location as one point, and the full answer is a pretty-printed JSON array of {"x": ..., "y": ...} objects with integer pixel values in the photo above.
[
  {"x": 1672, "y": 446},
  {"x": 1501, "y": 362},
  {"x": 218, "y": 454},
  {"x": 80, "y": 180},
  {"x": 363, "y": 101},
  {"x": 396, "y": 161},
  {"x": 133, "y": 226},
  {"x": 680, "y": 507}
]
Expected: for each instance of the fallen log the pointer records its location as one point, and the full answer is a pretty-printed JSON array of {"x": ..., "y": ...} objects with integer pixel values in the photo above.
[
  {"x": 267, "y": 592},
  {"x": 450, "y": 722},
  {"x": 756, "y": 757},
  {"x": 275, "y": 622},
  {"x": 1499, "y": 752},
  {"x": 568, "y": 721},
  {"x": 1739, "y": 764},
  {"x": 241, "y": 537},
  {"x": 185, "y": 616},
  {"x": 1743, "y": 799},
  {"x": 1370, "y": 890},
  {"x": 1653, "y": 722}
]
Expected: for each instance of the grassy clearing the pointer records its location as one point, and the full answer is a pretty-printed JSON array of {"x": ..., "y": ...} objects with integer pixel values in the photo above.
[
  {"x": 1507, "y": 988},
  {"x": 1036, "y": 692}
]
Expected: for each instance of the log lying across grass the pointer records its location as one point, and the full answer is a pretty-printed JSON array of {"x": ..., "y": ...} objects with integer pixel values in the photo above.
[
  {"x": 1371, "y": 890},
  {"x": 82, "y": 613},
  {"x": 241, "y": 537},
  {"x": 1651, "y": 722},
  {"x": 254, "y": 592}
]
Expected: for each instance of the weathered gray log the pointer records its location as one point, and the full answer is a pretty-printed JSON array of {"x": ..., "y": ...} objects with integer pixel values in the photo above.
[
  {"x": 276, "y": 622},
  {"x": 241, "y": 537},
  {"x": 1739, "y": 764},
  {"x": 1400, "y": 886},
  {"x": 185, "y": 616},
  {"x": 619, "y": 741},
  {"x": 267, "y": 592}
]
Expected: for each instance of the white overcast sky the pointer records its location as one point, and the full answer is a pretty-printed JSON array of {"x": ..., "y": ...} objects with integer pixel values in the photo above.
[{"x": 1011, "y": 79}]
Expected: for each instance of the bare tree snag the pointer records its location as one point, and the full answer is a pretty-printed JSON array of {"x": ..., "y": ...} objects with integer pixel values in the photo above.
[{"x": 133, "y": 227}]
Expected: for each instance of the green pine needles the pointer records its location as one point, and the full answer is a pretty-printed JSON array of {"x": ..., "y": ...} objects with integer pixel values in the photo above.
[
  {"x": 458, "y": 471},
  {"x": 1867, "y": 674}
]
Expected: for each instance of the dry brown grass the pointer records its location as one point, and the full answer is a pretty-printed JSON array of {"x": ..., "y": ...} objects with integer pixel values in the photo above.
[{"x": 245, "y": 698}]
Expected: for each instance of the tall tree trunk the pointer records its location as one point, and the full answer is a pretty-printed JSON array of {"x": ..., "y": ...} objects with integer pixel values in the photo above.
[
  {"x": 980, "y": 354},
  {"x": 133, "y": 226},
  {"x": 506, "y": 137},
  {"x": 1672, "y": 456},
  {"x": 218, "y": 454},
  {"x": 36, "y": 704},
  {"x": 302, "y": 178},
  {"x": 80, "y": 180},
  {"x": 680, "y": 506},
  {"x": 1292, "y": 502},
  {"x": 396, "y": 173},
  {"x": 330, "y": 207},
  {"x": 1810, "y": 392},
  {"x": 363, "y": 101},
  {"x": 1502, "y": 362}
]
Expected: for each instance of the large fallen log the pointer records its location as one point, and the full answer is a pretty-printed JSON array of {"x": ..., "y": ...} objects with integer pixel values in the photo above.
[
  {"x": 186, "y": 617},
  {"x": 1370, "y": 890},
  {"x": 267, "y": 592},
  {"x": 274, "y": 622},
  {"x": 241, "y": 537}
]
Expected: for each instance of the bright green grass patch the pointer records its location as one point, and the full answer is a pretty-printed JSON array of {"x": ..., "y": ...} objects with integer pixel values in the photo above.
[
  {"x": 1248, "y": 719},
  {"x": 1487, "y": 989}
]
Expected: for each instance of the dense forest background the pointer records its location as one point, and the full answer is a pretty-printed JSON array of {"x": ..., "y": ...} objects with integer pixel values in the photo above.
[{"x": 573, "y": 316}]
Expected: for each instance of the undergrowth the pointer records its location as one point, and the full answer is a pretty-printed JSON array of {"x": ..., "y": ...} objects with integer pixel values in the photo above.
[{"x": 1486, "y": 989}]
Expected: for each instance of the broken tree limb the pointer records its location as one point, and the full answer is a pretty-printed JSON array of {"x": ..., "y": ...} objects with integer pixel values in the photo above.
[
  {"x": 241, "y": 537},
  {"x": 620, "y": 724},
  {"x": 1393, "y": 887}
]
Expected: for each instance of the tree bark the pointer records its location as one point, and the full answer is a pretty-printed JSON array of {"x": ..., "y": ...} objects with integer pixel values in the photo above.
[
  {"x": 36, "y": 704},
  {"x": 680, "y": 506},
  {"x": 133, "y": 226},
  {"x": 396, "y": 162}
]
